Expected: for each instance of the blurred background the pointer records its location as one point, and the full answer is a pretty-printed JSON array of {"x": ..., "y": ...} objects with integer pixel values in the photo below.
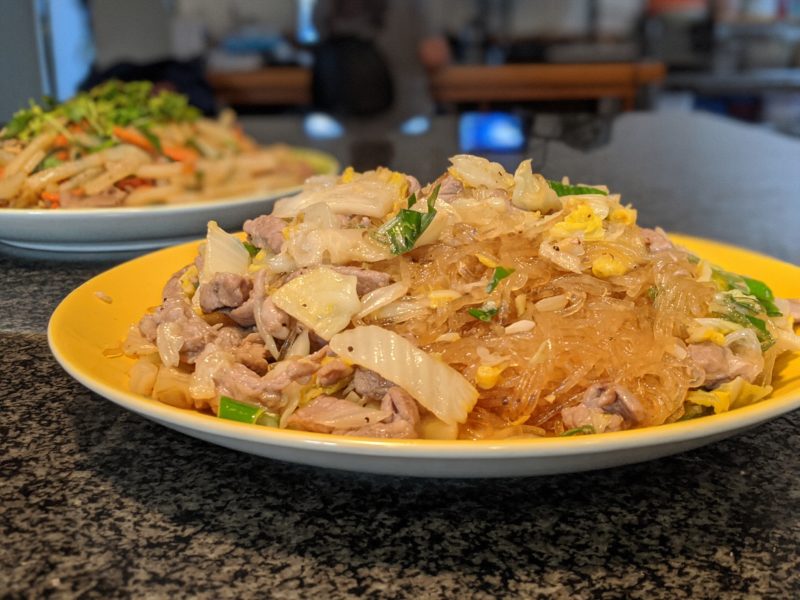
[{"x": 495, "y": 64}]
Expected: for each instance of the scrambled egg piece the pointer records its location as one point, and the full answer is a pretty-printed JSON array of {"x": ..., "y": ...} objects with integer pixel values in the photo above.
[
  {"x": 607, "y": 265},
  {"x": 582, "y": 219}
]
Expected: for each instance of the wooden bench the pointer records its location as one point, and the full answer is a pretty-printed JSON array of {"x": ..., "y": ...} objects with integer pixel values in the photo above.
[
  {"x": 273, "y": 86},
  {"x": 484, "y": 84}
]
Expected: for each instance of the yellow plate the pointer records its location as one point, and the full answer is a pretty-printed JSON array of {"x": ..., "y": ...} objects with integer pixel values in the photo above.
[{"x": 84, "y": 326}]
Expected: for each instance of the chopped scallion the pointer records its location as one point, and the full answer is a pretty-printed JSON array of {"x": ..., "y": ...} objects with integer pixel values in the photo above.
[
  {"x": 563, "y": 189},
  {"x": 403, "y": 231},
  {"x": 499, "y": 274},
  {"x": 485, "y": 313},
  {"x": 584, "y": 430},
  {"x": 234, "y": 410}
]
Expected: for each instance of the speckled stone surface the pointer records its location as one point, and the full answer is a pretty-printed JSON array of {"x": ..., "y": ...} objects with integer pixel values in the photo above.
[{"x": 96, "y": 502}]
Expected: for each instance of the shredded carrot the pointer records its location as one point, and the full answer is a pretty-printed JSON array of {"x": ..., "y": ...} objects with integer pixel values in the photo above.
[
  {"x": 78, "y": 191},
  {"x": 181, "y": 153},
  {"x": 53, "y": 198},
  {"x": 62, "y": 155},
  {"x": 132, "y": 182},
  {"x": 60, "y": 140},
  {"x": 131, "y": 136}
]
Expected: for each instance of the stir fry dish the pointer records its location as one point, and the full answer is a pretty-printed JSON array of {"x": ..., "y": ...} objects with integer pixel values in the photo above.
[
  {"x": 486, "y": 304},
  {"x": 120, "y": 144}
]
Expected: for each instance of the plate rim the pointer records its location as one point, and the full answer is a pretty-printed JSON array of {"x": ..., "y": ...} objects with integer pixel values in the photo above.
[{"x": 712, "y": 426}]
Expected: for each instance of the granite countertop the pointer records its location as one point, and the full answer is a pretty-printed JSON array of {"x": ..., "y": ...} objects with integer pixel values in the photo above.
[{"x": 97, "y": 502}]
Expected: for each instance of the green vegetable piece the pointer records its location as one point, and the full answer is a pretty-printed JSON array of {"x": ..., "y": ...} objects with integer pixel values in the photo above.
[
  {"x": 101, "y": 108},
  {"x": 499, "y": 274},
  {"x": 763, "y": 294},
  {"x": 234, "y": 410},
  {"x": 268, "y": 419},
  {"x": 48, "y": 163},
  {"x": 150, "y": 137},
  {"x": 584, "y": 430},
  {"x": 562, "y": 189},
  {"x": 251, "y": 250},
  {"x": 403, "y": 231},
  {"x": 484, "y": 313},
  {"x": 238, "y": 411}
]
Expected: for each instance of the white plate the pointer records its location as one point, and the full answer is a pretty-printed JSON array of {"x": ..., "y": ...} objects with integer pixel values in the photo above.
[
  {"x": 83, "y": 327},
  {"x": 137, "y": 228}
]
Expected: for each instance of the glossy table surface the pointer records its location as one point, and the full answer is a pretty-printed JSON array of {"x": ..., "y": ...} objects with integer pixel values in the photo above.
[{"x": 97, "y": 502}]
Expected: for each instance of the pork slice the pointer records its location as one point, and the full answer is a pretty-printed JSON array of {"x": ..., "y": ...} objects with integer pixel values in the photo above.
[
  {"x": 328, "y": 414},
  {"x": 266, "y": 231},
  {"x": 237, "y": 381},
  {"x": 606, "y": 407},
  {"x": 369, "y": 384},
  {"x": 368, "y": 280},
  {"x": 656, "y": 239},
  {"x": 192, "y": 331},
  {"x": 225, "y": 290},
  {"x": 333, "y": 371},
  {"x": 243, "y": 314},
  {"x": 173, "y": 287},
  {"x": 252, "y": 353},
  {"x": 720, "y": 364},
  {"x": 276, "y": 321},
  {"x": 403, "y": 421},
  {"x": 449, "y": 188}
]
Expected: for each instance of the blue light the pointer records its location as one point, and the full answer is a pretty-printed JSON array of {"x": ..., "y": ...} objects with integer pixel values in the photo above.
[
  {"x": 416, "y": 125},
  {"x": 321, "y": 126},
  {"x": 492, "y": 131}
]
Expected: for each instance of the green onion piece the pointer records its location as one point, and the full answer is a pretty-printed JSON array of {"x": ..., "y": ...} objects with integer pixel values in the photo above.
[
  {"x": 652, "y": 292},
  {"x": 151, "y": 137},
  {"x": 499, "y": 274},
  {"x": 268, "y": 419},
  {"x": 584, "y": 430},
  {"x": 562, "y": 189},
  {"x": 763, "y": 294},
  {"x": 251, "y": 250},
  {"x": 238, "y": 411},
  {"x": 403, "y": 231},
  {"x": 48, "y": 163},
  {"x": 483, "y": 314}
]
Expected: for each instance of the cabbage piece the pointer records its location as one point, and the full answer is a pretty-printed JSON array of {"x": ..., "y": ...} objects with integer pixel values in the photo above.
[
  {"x": 340, "y": 246},
  {"x": 381, "y": 297},
  {"x": 322, "y": 300},
  {"x": 224, "y": 253},
  {"x": 366, "y": 196},
  {"x": 531, "y": 191},
  {"x": 435, "y": 385},
  {"x": 476, "y": 172}
]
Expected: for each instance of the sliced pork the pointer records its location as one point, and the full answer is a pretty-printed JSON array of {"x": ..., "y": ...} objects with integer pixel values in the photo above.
[
  {"x": 266, "y": 231},
  {"x": 720, "y": 364},
  {"x": 656, "y": 240},
  {"x": 225, "y": 290},
  {"x": 369, "y": 384},
  {"x": 605, "y": 407}
]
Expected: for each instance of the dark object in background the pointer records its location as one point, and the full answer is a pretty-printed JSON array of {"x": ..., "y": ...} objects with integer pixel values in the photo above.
[
  {"x": 185, "y": 77},
  {"x": 351, "y": 77},
  {"x": 366, "y": 155}
]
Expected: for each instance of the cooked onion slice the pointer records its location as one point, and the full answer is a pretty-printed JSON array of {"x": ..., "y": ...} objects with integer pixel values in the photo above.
[{"x": 434, "y": 384}]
